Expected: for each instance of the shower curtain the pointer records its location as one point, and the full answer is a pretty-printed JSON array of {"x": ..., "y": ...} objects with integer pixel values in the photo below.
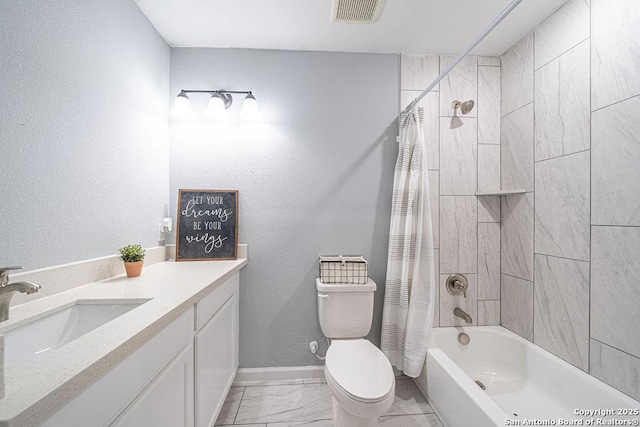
[{"x": 407, "y": 315}]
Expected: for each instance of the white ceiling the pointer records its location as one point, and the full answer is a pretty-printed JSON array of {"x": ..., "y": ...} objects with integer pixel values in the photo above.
[{"x": 405, "y": 26}]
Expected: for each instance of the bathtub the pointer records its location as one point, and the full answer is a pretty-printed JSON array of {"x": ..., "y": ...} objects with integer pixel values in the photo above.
[{"x": 525, "y": 385}]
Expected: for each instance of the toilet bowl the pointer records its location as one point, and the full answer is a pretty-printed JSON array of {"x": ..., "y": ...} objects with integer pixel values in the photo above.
[
  {"x": 358, "y": 374},
  {"x": 361, "y": 380}
]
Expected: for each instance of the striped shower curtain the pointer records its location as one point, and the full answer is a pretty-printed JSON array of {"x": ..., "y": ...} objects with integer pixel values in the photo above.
[{"x": 407, "y": 315}]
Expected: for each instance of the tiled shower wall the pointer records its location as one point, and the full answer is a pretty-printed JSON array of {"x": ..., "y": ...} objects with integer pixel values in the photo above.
[
  {"x": 463, "y": 158},
  {"x": 571, "y": 139}
]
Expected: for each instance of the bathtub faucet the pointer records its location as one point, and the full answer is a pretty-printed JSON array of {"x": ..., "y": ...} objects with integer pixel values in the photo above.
[
  {"x": 8, "y": 289},
  {"x": 461, "y": 314}
]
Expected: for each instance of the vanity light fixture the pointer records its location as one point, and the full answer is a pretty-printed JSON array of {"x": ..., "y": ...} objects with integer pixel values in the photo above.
[
  {"x": 250, "y": 109},
  {"x": 182, "y": 107},
  {"x": 219, "y": 103},
  {"x": 217, "y": 108}
]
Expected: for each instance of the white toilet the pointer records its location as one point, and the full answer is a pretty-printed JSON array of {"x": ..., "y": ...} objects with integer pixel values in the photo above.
[{"x": 357, "y": 372}]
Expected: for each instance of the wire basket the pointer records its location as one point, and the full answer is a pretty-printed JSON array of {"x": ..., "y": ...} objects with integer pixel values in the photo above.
[{"x": 344, "y": 269}]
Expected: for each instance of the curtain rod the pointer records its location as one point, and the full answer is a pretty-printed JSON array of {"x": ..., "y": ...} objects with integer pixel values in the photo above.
[{"x": 460, "y": 57}]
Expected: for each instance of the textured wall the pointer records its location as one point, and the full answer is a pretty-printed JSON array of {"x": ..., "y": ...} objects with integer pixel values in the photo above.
[
  {"x": 570, "y": 136},
  {"x": 463, "y": 158},
  {"x": 314, "y": 177},
  {"x": 83, "y": 130}
]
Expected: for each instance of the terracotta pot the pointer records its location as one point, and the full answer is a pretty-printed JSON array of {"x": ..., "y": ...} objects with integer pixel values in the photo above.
[{"x": 134, "y": 269}]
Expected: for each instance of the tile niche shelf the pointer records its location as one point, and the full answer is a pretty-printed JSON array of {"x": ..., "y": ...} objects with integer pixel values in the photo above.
[{"x": 500, "y": 192}]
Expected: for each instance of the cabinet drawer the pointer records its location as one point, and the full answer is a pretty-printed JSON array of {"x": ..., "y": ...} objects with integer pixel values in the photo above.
[{"x": 209, "y": 305}]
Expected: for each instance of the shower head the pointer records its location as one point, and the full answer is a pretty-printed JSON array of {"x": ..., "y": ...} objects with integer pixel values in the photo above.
[{"x": 465, "y": 107}]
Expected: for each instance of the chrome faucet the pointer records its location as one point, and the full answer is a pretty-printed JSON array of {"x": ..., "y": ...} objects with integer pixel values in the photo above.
[
  {"x": 461, "y": 314},
  {"x": 8, "y": 289}
]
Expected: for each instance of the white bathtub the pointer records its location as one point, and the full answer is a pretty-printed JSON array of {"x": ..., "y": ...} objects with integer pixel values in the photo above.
[{"x": 525, "y": 385}]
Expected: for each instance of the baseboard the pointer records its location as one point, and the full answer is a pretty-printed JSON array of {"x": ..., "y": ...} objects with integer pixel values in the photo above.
[{"x": 286, "y": 375}]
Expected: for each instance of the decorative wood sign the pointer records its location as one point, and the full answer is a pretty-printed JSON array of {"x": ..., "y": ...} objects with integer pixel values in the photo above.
[{"x": 207, "y": 225}]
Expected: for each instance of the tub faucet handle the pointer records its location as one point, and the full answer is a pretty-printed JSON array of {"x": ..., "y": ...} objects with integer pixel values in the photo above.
[{"x": 457, "y": 285}]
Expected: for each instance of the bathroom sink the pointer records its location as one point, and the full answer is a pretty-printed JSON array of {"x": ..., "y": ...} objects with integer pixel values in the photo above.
[{"x": 60, "y": 327}]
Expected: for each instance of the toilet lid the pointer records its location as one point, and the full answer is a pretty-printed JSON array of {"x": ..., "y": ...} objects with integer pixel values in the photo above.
[{"x": 360, "y": 369}]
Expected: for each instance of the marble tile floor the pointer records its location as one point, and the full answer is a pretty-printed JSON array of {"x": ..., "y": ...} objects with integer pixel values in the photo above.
[{"x": 309, "y": 405}]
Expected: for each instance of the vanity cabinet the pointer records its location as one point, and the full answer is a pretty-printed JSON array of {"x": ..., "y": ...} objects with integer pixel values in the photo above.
[
  {"x": 179, "y": 378},
  {"x": 216, "y": 350}
]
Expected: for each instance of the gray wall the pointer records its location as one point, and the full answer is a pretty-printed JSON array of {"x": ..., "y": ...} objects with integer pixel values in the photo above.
[
  {"x": 571, "y": 244},
  {"x": 83, "y": 130},
  {"x": 315, "y": 177}
]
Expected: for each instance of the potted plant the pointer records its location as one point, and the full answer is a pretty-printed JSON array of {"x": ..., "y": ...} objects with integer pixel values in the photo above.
[{"x": 133, "y": 256}]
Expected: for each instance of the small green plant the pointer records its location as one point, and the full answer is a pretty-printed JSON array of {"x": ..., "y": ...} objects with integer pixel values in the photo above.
[{"x": 131, "y": 253}]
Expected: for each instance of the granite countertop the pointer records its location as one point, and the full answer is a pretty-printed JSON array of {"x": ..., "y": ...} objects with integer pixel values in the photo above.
[{"x": 36, "y": 390}]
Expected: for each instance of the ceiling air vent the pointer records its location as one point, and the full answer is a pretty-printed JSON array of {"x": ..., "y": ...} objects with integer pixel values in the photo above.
[{"x": 356, "y": 11}]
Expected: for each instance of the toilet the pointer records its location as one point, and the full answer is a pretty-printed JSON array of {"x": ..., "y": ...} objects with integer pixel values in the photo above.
[{"x": 358, "y": 374}]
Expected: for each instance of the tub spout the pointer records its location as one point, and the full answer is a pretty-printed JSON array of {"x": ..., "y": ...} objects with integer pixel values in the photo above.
[{"x": 458, "y": 312}]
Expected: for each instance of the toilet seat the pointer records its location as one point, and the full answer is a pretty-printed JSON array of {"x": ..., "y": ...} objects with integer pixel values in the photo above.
[{"x": 359, "y": 370}]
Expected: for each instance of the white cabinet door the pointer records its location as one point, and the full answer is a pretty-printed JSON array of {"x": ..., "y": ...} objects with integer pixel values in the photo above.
[
  {"x": 168, "y": 400},
  {"x": 216, "y": 347}
]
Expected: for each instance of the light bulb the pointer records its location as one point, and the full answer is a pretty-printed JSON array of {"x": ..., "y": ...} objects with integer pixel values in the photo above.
[
  {"x": 216, "y": 109},
  {"x": 182, "y": 107},
  {"x": 250, "y": 110}
]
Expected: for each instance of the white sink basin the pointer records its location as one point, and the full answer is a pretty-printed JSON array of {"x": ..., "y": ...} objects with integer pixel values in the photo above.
[{"x": 28, "y": 342}]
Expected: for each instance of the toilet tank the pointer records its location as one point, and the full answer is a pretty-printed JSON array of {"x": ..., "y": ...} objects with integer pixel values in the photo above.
[{"x": 345, "y": 310}]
